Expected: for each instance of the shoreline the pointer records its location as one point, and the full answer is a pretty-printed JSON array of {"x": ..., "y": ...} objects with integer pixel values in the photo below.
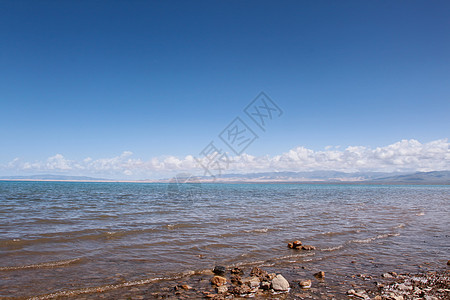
[
  {"x": 251, "y": 282},
  {"x": 287, "y": 279}
]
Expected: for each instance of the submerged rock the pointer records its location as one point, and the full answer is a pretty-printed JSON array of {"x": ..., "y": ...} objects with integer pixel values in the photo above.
[
  {"x": 320, "y": 275},
  {"x": 305, "y": 284},
  {"x": 308, "y": 247},
  {"x": 237, "y": 271},
  {"x": 279, "y": 283}
]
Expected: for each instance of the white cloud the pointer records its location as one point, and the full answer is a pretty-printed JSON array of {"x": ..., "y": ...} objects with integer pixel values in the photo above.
[{"x": 405, "y": 155}]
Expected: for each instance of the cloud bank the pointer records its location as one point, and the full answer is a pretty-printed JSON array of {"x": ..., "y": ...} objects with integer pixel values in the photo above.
[{"x": 405, "y": 155}]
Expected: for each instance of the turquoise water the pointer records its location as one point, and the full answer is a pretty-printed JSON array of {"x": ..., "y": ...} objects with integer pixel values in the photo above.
[{"x": 62, "y": 236}]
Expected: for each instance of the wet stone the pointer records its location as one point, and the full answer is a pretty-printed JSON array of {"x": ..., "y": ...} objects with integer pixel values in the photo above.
[
  {"x": 305, "y": 284},
  {"x": 186, "y": 287},
  {"x": 253, "y": 282},
  {"x": 236, "y": 279},
  {"x": 261, "y": 274},
  {"x": 320, "y": 275},
  {"x": 308, "y": 247},
  {"x": 218, "y": 280},
  {"x": 241, "y": 290},
  {"x": 219, "y": 270},
  {"x": 279, "y": 283},
  {"x": 222, "y": 289}
]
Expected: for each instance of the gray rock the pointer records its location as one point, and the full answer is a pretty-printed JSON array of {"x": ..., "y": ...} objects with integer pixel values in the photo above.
[{"x": 279, "y": 283}]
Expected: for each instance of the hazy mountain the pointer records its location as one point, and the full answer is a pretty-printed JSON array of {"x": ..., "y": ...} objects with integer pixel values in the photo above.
[
  {"x": 436, "y": 177},
  {"x": 52, "y": 177}
]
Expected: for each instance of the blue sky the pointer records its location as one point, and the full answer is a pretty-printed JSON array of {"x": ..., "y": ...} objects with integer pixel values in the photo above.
[{"x": 97, "y": 79}]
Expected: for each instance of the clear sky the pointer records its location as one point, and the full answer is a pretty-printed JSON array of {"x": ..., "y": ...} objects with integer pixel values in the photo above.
[{"x": 88, "y": 86}]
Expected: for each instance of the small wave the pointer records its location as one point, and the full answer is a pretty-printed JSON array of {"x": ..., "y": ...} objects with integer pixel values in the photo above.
[
  {"x": 182, "y": 226},
  {"x": 71, "y": 236},
  {"x": 333, "y": 248},
  {"x": 420, "y": 214},
  {"x": 99, "y": 289},
  {"x": 52, "y": 264},
  {"x": 52, "y": 221},
  {"x": 264, "y": 230},
  {"x": 294, "y": 256},
  {"x": 344, "y": 232},
  {"x": 399, "y": 226},
  {"x": 369, "y": 240}
]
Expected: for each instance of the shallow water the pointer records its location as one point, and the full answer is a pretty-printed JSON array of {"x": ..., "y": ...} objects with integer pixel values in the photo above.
[{"x": 63, "y": 236}]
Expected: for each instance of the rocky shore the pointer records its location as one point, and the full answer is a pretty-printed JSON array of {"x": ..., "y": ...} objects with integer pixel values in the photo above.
[{"x": 295, "y": 282}]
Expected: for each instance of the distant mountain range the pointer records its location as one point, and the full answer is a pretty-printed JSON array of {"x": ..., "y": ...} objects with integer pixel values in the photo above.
[
  {"x": 436, "y": 177},
  {"x": 53, "y": 177}
]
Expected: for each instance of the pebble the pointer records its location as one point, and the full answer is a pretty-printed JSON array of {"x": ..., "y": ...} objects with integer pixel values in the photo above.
[
  {"x": 279, "y": 283},
  {"x": 320, "y": 275},
  {"x": 265, "y": 285},
  {"x": 218, "y": 280},
  {"x": 448, "y": 262},
  {"x": 222, "y": 289},
  {"x": 261, "y": 274},
  {"x": 297, "y": 243},
  {"x": 308, "y": 247},
  {"x": 253, "y": 282},
  {"x": 404, "y": 287},
  {"x": 241, "y": 290},
  {"x": 237, "y": 271},
  {"x": 305, "y": 284},
  {"x": 219, "y": 270},
  {"x": 186, "y": 287},
  {"x": 236, "y": 279}
]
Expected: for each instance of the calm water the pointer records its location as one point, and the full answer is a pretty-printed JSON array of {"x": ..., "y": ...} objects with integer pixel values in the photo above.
[{"x": 66, "y": 236}]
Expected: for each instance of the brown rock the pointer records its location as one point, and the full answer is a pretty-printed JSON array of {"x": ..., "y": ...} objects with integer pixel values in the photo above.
[
  {"x": 320, "y": 275},
  {"x": 218, "y": 280},
  {"x": 186, "y": 287},
  {"x": 291, "y": 245},
  {"x": 237, "y": 271},
  {"x": 308, "y": 247},
  {"x": 260, "y": 273},
  {"x": 221, "y": 289},
  {"x": 265, "y": 285},
  {"x": 253, "y": 282},
  {"x": 236, "y": 279},
  {"x": 219, "y": 270},
  {"x": 241, "y": 290},
  {"x": 305, "y": 284},
  {"x": 296, "y": 243},
  {"x": 448, "y": 262}
]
